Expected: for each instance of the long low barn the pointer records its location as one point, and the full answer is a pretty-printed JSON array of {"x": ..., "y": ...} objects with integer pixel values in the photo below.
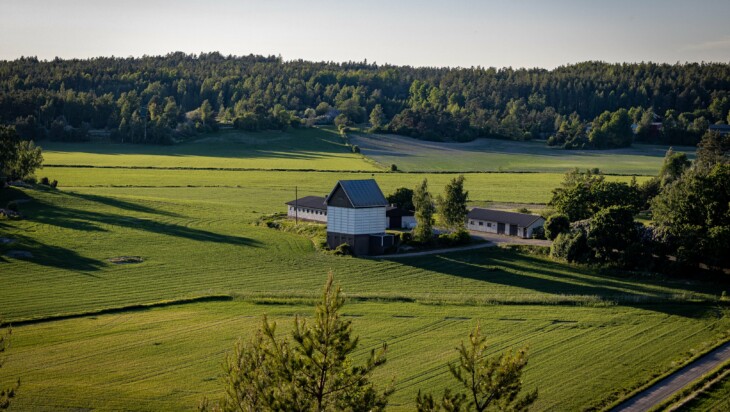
[
  {"x": 501, "y": 222},
  {"x": 308, "y": 208}
]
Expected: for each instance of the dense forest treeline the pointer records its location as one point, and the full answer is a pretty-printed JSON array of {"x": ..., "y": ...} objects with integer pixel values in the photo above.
[{"x": 154, "y": 99}]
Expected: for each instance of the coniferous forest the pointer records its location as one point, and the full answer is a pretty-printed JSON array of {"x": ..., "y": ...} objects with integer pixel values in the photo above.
[{"x": 160, "y": 99}]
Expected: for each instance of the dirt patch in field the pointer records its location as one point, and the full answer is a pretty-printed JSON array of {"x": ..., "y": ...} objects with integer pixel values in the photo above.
[
  {"x": 19, "y": 254},
  {"x": 125, "y": 260}
]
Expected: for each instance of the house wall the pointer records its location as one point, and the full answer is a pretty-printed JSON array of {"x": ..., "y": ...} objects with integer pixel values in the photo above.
[
  {"x": 491, "y": 227},
  {"x": 408, "y": 222},
  {"x": 308, "y": 214},
  {"x": 356, "y": 221}
]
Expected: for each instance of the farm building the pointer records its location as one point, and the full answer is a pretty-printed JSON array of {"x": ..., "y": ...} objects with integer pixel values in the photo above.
[
  {"x": 501, "y": 222},
  {"x": 397, "y": 218},
  {"x": 308, "y": 208},
  {"x": 356, "y": 215}
]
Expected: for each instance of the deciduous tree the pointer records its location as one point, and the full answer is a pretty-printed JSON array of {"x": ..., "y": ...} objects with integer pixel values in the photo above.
[{"x": 424, "y": 206}]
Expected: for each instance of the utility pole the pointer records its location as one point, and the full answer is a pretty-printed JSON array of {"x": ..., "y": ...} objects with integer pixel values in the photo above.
[{"x": 296, "y": 205}]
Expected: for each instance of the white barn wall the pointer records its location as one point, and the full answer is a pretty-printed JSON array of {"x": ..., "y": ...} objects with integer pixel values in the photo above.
[
  {"x": 359, "y": 221},
  {"x": 308, "y": 214},
  {"x": 473, "y": 224}
]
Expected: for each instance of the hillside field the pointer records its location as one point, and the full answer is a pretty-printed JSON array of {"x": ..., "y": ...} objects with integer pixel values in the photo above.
[
  {"x": 490, "y": 155},
  {"x": 591, "y": 336}
]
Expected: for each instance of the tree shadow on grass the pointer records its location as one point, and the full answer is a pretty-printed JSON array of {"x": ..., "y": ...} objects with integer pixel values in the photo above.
[
  {"x": 52, "y": 256},
  {"x": 510, "y": 268},
  {"x": 120, "y": 204},
  {"x": 85, "y": 220}
]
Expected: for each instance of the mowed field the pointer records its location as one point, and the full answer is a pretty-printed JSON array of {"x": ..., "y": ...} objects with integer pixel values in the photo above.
[
  {"x": 507, "y": 156},
  {"x": 591, "y": 336}
]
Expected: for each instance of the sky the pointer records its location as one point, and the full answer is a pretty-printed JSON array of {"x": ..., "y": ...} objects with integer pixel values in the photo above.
[{"x": 516, "y": 33}]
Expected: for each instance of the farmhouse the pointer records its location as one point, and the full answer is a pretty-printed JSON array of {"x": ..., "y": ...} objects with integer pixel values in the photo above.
[
  {"x": 501, "y": 222},
  {"x": 356, "y": 215},
  {"x": 310, "y": 208}
]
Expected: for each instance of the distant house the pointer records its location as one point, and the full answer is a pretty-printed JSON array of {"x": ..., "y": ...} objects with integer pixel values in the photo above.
[
  {"x": 308, "y": 208},
  {"x": 501, "y": 222},
  {"x": 356, "y": 215},
  {"x": 397, "y": 218},
  {"x": 723, "y": 129}
]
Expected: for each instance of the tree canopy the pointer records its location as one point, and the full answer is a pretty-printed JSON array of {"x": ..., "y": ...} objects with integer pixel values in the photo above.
[{"x": 152, "y": 98}]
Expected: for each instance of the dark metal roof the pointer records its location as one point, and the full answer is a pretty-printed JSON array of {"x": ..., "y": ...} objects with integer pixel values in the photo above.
[
  {"x": 500, "y": 216},
  {"x": 312, "y": 202},
  {"x": 362, "y": 193},
  {"x": 392, "y": 211}
]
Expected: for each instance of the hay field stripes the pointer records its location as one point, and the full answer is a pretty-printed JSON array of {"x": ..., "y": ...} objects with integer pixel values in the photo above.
[
  {"x": 168, "y": 358},
  {"x": 483, "y": 155}
]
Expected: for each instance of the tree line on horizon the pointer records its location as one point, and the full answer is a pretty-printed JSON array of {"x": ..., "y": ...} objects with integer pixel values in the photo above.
[{"x": 154, "y": 99}]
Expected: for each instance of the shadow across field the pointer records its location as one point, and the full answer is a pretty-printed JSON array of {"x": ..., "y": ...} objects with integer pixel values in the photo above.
[
  {"x": 566, "y": 284},
  {"x": 86, "y": 220},
  {"x": 52, "y": 256}
]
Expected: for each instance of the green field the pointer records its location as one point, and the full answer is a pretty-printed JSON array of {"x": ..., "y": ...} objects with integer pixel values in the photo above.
[
  {"x": 508, "y": 156},
  {"x": 315, "y": 149},
  {"x": 591, "y": 336}
]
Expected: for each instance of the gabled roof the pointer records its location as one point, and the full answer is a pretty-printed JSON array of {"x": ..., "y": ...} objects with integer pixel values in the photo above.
[
  {"x": 361, "y": 193},
  {"x": 312, "y": 202},
  {"x": 500, "y": 216}
]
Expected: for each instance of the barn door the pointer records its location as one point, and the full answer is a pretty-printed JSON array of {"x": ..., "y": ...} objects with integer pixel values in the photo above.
[
  {"x": 500, "y": 228},
  {"x": 513, "y": 230}
]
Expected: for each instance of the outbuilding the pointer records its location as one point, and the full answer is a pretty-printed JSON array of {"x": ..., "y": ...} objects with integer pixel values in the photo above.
[
  {"x": 502, "y": 222},
  {"x": 356, "y": 215},
  {"x": 397, "y": 218},
  {"x": 312, "y": 208}
]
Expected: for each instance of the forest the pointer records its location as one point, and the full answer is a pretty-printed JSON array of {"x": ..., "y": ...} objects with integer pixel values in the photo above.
[{"x": 163, "y": 99}]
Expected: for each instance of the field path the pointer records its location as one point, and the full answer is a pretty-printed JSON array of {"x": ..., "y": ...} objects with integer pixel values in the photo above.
[{"x": 665, "y": 388}]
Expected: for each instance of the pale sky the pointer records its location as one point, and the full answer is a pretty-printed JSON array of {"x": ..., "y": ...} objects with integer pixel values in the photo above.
[{"x": 517, "y": 33}]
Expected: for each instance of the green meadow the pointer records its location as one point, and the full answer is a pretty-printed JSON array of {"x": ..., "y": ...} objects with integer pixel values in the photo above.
[
  {"x": 492, "y": 155},
  {"x": 91, "y": 334}
]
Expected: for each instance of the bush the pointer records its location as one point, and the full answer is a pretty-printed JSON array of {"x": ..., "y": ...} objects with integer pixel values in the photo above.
[
  {"x": 538, "y": 233},
  {"x": 355, "y": 149},
  {"x": 44, "y": 181},
  {"x": 524, "y": 210},
  {"x": 31, "y": 180},
  {"x": 343, "y": 250},
  {"x": 54, "y": 183},
  {"x": 13, "y": 206},
  {"x": 458, "y": 238},
  {"x": 393, "y": 168},
  {"x": 555, "y": 225},
  {"x": 572, "y": 247}
]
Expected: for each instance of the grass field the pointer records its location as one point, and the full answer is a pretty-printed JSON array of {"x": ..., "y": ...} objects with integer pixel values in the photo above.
[
  {"x": 316, "y": 149},
  {"x": 508, "y": 156},
  {"x": 592, "y": 336},
  {"x": 716, "y": 398}
]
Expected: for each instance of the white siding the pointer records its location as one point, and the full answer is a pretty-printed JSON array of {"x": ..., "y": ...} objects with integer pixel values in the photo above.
[
  {"x": 356, "y": 221},
  {"x": 308, "y": 214},
  {"x": 485, "y": 226}
]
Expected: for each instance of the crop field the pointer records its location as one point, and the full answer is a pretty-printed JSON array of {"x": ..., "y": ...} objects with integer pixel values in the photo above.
[
  {"x": 90, "y": 344},
  {"x": 509, "y": 156},
  {"x": 315, "y": 149},
  {"x": 169, "y": 358}
]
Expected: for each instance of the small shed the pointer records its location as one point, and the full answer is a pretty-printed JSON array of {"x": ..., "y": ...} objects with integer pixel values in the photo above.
[
  {"x": 311, "y": 208},
  {"x": 397, "y": 218},
  {"x": 356, "y": 215},
  {"x": 502, "y": 222}
]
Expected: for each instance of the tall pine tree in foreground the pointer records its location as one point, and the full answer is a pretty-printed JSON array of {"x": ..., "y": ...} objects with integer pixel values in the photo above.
[
  {"x": 314, "y": 371},
  {"x": 490, "y": 382}
]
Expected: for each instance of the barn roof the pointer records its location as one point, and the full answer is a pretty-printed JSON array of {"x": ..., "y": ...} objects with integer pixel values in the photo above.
[
  {"x": 361, "y": 193},
  {"x": 312, "y": 202},
  {"x": 500, "y": 216}
]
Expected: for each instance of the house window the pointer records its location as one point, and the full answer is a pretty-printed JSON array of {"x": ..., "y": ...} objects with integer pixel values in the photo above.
[
  {"x": 481, "y": 223},
  {"x": 471, "y": 222},
  {"x": 489, "y": 225}
]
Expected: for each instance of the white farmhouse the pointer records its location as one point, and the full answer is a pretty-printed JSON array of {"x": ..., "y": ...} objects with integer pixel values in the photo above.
[
  {"x": 356, "y": 215},
  {"x": 503, "y": 223}
]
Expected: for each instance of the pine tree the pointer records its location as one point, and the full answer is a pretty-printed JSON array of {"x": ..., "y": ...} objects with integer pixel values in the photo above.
[
  {"x": 490, "y": 381},
  {"x": 312, "y": 372}
]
